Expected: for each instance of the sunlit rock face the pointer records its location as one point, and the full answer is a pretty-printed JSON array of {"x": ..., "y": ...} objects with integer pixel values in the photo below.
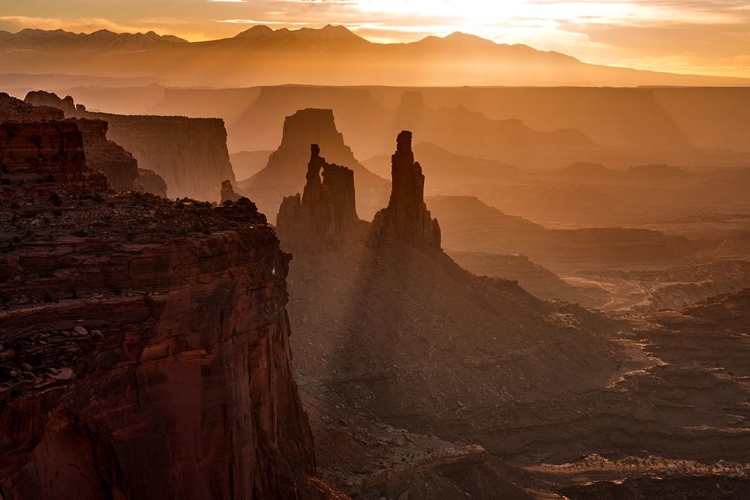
[
  {"x": 406, "y": 218},
  {"x": 325, "y": 212},
  {"x": 144, "y": 343}
]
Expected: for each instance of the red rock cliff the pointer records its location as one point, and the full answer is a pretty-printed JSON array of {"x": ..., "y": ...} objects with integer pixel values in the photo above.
[
  {"x": 44, "y": 157},
  {"x": 144, "y": 344},
  {"x": 190, "y": 154},
  {"x": 106, "y": 156}
]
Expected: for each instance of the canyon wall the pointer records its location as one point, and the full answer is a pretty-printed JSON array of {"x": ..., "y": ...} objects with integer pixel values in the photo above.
[
  {"x": 144, "y": 343},
  {"x": 190, "y": 154},
  {"x": 39, "y": 158}
]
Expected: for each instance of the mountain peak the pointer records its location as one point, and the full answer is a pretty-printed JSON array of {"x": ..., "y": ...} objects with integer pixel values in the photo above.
[{"x": 255, "y": 31}]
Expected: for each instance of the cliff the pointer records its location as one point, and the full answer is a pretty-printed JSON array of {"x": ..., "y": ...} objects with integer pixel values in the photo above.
[
  {"x": 144, "y": 343},
  {"x": 40, "y": 158},
  {"x": 12, "y": 109},
  {"x": 106, "y": 156},
  {"x": 151, "y": 182},
  {"x": 325, "y": 212},
  {"x": 406, "y": 218},
  {"x": 102, "y": 154},
  {"x": 189, "y": 154},
  {"x": 285, "y": 171}
]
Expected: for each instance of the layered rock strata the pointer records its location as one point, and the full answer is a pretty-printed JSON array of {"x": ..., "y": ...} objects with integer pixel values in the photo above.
[
  {"x": 144, "y": 343},
  {"x": 44, "y": 158},
  {"x": 190, "y": 154},
  {"x": 102, "y": 154},
  {"x": 406, "y": 218},
  {"x": 325, "y": 212},
  {"x": 106, "y": 156}
]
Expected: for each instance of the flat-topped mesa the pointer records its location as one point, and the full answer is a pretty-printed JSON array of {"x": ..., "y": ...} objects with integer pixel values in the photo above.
[
  {"x": 42, "y": 98},
  {"x": 406, "y": 218},
  {"x": 284, "y": 172},
  {"x": 326, "y": 210}
]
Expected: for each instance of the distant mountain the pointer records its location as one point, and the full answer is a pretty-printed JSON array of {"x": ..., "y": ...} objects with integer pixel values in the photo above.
[{"x": 330, "y": 55}]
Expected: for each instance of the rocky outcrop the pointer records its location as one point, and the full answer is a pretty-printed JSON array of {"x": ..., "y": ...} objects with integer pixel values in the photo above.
[
  {"x": 152, "y": 183},
  {"x": 406, "y": 218},
  {"x": 12, "y": 109},
  {"x": 43, "y": 98},
  {"x": 144, "y": 343},
  {"x": 45, "y": 157},
  {"x": 286, "y": 167},
  {"x": 106, "y": 156},
  {"x": 102, "y": 154},
  {"x": 325, "y": 212},
  {"x": 189, "y": 154},
  {"x": 227, "y": 192}
]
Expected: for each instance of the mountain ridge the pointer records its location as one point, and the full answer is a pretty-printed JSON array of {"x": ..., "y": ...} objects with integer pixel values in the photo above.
[{"x": 328, "y": 55}]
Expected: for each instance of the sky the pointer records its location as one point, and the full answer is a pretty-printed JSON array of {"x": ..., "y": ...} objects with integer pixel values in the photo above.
[{"x": 682, "y": 36}]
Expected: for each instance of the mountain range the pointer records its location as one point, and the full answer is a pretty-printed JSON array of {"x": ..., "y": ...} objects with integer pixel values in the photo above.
[{"x": 331, "y": 55}]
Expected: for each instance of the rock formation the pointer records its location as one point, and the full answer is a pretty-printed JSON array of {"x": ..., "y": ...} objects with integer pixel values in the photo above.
[
  {"x": 406, "y": 218},
  {"x": 144, "y": 343},
  {"x": 227, "y": 192},
  {"x": 106, "y": 156},
  {"x": 190, "y": 154},
  {"x": 50, "y": 99},
  {"x": 151, "y": 182},
  {"x": 285, "y": 170},
  {"x": 12, "y": 109},
  {"x": 326, "y": 210},
  {"x": 102, "y": 154},
  {"x": 45, "y": 157}
]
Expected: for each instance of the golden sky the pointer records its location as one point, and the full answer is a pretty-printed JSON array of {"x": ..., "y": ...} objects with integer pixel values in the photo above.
[{"x": 688, "y": 36}]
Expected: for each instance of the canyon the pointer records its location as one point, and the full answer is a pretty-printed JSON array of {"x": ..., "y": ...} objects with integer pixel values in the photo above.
[
  {"x": 462, "y": 325},
  {"x": 144, "y": 343},
  {"x": 189, "y": 154}
]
